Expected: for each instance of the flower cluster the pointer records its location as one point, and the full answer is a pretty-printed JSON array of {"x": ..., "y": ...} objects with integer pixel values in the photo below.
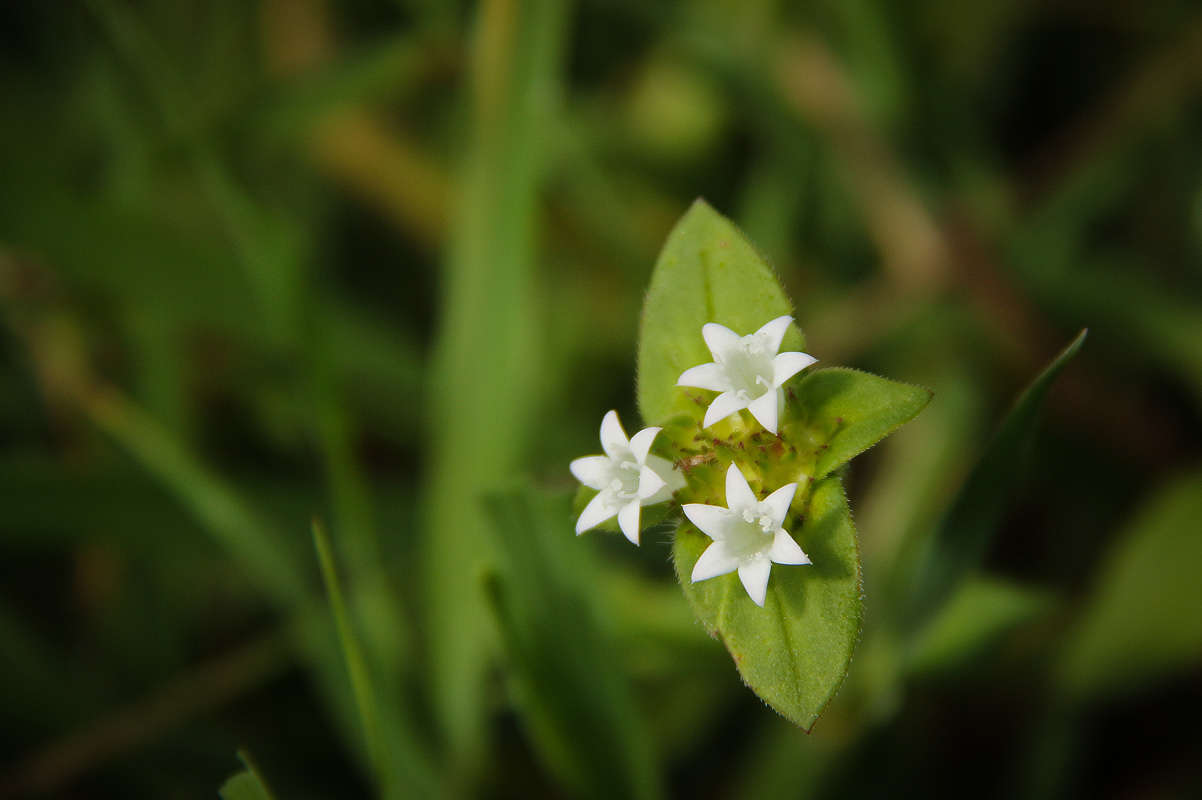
[{"x": 748, "y": 534}]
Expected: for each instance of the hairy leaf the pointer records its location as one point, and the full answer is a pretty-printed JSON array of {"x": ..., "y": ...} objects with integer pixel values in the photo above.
[
  {"x": 707, "y": 272},
  {"x": 846, "y": 411},
  {"x": 795, "y": 651}
]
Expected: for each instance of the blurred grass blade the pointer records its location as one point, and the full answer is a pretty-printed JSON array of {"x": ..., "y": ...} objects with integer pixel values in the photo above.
[
  {"x": 971, "y": 624},
  {"x": 1141, "y": 622},
  {"x": 247, "y": 784},
  {"x": 960, "y": 542},
  {"x": 268, "y": 246},
  {"x": 568, "y": 684},
  {"x": 356, "y": 663},
  {"x": 122, "y": 731},
  {"x": 374, "y": 72},
  {"x": 260, "y": 550},
  {"x": 1144, "y": 318},
  {"x": 486, "y": 383},
  {"x": 398, "y": 762}
]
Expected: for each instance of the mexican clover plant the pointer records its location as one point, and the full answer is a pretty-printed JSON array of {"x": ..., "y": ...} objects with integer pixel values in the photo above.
[{"x": 744, "y": 458}]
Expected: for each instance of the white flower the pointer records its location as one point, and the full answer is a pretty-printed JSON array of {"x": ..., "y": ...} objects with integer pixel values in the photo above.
[
  {"x": 626, "y": 478},
  {"x": 747, "y": 371},
  {"x": 747, "y": 535}
]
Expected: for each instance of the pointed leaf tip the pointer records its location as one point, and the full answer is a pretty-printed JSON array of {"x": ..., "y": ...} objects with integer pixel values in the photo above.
[
  {"x": 707, "y": 272},
  {"x": 795, "y": 651}
]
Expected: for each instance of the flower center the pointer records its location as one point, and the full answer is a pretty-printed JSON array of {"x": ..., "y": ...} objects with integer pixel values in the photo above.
[
  {"x": 755, "y": 536},
  {"x": 625, "y": 482},
  {"x": 754, "y": 344},
  {"x": 749, "y": 368},
  {"x": 760, "y": 518}
]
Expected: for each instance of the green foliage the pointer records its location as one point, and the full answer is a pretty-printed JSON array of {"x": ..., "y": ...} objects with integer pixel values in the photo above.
[
  {"x": 247, "y": 784},
  {"x": 251, "y": 540},
  {"x": 845, "y": 411},
  {"x": 569, "y": 685},
  {"x": 959, "y": 543},
  {"x": 706, "y": 272},
  {"x": 352, "y": 650},
  {"x": 397, "y": 760},
  {"x": 486, "y": 379},
  {"x": 1140, "y": 621},
  {"x": 972, "y": 623},
  {"x": 795, "y": 651}
]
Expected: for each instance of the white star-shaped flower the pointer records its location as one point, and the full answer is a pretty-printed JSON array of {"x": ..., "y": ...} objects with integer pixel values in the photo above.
[
  {"x": 747, "y": 371},
  {"x": 747, "y": 535},
  {"x": 626, "y": 478}
]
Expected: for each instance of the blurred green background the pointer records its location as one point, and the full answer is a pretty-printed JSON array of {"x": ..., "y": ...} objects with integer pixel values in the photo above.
[{"x": 374, "y": 261}]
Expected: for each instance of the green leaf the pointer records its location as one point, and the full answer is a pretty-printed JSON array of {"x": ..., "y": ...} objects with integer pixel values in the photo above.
[
  {"x": 246, "y": 785},
  {"x": 568, "y": 683},
  {"x": 259, "y": 548},
  {"x": 976, "y": 618},
  {"x": 352, "y": 650},
  {"x": 961, "y": 540},
  {"x": 1141, "y": 622},
  {"x": 484, "y": 384},
  {"x": 795, "y": 651},
  {"x": 847, "y": 411},
  {"x": 395, "y": 755},
  {"x": 707, "y": 272}
]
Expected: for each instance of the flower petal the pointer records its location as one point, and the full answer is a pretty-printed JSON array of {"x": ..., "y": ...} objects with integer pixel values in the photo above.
[
  {"x": 613, "y": 438},
  {"x": 705, "y": 376},
  {"x": 595, "y": 472},
  {"x": 720, "y": 339},
  {"x": 738, "y": 494},
  {"x": 713, "y": 521},
  {"x": 765, "y": 407},
  {"x": 722, "y": 407},
  {"x": 672, "y": 478},
  {"x": 785, "y": 550},
  {"x": 640, "y": 443},
  {"x": 779, "y": 501},
  {"x": 754, "y": 575},
  {"x": 715, "y": 561},
  {"x": 774, "y": 331},
  {"x": 628, "y": 520},
  {"x": 649, "y": 483},
  {"x": 786, "y": 365},
  {"x": 602, "y": 507}
]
